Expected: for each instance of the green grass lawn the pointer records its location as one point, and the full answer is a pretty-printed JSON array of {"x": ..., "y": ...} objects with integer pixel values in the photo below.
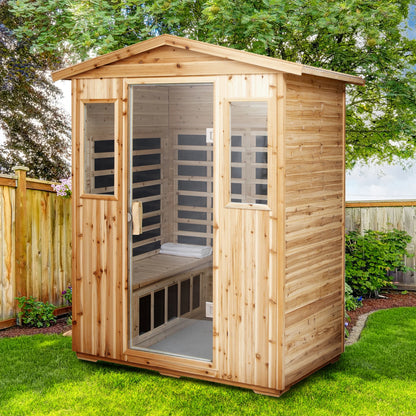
[{"x": 376, "y": 376}]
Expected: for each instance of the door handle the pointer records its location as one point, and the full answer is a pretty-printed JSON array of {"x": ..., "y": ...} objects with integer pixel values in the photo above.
[{"x": 137, "y": 217}]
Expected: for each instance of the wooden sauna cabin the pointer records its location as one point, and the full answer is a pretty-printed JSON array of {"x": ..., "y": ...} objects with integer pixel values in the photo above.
[{"x": 208, "y": 213}]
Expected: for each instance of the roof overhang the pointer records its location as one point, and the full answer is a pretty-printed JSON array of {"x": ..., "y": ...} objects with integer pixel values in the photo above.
[{"x": 220, "y": 52}]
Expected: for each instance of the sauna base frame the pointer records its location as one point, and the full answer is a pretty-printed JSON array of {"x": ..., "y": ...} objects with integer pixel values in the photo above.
[{"x": 265, "y": 391}]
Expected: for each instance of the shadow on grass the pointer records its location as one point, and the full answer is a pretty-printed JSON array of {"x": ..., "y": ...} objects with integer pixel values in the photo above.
[{"x": 36, "y": 362}]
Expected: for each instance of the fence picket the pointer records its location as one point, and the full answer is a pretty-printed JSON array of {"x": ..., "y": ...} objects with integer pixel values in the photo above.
[{"x": 35, "y": 243}]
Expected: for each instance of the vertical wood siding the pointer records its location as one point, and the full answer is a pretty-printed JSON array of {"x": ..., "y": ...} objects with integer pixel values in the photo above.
[
  {"x": 97, "y": 285},
  {"x": 245, "y": 292},
  {"x": 314, "y": 225},
  {"x": 98, "y": 223},
  {"x": 47, "y": 243},
  {"x": 372, "y": 217}
]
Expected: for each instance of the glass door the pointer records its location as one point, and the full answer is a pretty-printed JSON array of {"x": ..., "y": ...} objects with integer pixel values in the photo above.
[{"x": 170, "y": 241}]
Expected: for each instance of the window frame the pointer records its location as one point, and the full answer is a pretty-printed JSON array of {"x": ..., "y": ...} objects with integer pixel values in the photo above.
[
  {"x": 227, "y": 139},
  {"x": 82, "y": 150}
]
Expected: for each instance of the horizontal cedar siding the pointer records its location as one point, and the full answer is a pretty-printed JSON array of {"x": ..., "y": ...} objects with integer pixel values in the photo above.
[{"x": 314, "y": 205}]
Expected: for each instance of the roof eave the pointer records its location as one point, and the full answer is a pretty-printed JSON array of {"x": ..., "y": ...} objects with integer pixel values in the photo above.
[
  {"x": 273, "y": 64},
  {"x": 109, "y": 58},
  {"x": 326, "y": 73}
]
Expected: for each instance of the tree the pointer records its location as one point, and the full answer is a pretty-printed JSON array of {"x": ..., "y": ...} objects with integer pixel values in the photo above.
[
  {"x": 362, "y": 37},
  {"x": 36, "y": 129}
]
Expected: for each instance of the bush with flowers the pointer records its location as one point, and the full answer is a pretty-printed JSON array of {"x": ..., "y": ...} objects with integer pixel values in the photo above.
[
  {"x": 67, "y": 295},
  {"x": 351, "y": 304},
  {"x": 63, "y": 188}
]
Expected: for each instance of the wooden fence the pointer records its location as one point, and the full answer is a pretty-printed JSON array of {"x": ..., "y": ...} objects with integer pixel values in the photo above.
[
  {"x": 386, "y": 215},
  {"x": 35, "y": 239},
  {"x": 35, "y": 243}
]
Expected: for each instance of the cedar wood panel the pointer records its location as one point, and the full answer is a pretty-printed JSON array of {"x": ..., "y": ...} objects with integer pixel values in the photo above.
[
  {"x": 245, "y": 290},
  {"x": 7, "y": 251},
  {"x": 97, "y": 230},
  {"x": 277, "y": 271},
  {"x": 314, "y": 197},
  {"x": 245, "y": 332}
]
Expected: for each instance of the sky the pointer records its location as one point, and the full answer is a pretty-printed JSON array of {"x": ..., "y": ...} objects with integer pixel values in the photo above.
[
  {"x": 380, "y": 183},
  {"x": 383, "y": 182}
]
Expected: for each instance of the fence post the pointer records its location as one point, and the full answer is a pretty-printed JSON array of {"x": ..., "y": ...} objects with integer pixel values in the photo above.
[{"x": 21, "y": 232}]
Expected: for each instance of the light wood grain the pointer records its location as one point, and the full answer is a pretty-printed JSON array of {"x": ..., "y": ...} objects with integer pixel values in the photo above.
[
  {"x": 277, "y": 268},
  {"x": 178, "y": 43},
  {"x": 178, "y": 69},
  {"x": 314, "y": 225},
  {"x": 43, "y": 236},
  {"x": 192, "y": 49},
  {"x": 7, "y": 251}
]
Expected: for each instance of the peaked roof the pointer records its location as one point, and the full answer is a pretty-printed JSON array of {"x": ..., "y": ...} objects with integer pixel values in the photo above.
[{"x": 205, "y": 48}]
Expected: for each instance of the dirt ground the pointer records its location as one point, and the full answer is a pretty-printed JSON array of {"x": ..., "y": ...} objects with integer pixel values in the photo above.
[
  {"x": 391, "y": 300},
  {"x": 59, "y": 328}
]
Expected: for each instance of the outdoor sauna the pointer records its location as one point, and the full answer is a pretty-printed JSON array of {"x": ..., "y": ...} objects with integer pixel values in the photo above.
[{"x": 208, "y": 213}]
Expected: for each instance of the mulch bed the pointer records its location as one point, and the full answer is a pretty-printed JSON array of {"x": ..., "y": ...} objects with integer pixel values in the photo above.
[
  {"x": 392, "y": 300},
  {"x": 59, "y": 328}
]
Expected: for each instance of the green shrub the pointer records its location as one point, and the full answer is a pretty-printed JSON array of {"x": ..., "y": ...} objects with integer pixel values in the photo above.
[
  {"x": 369, "y": 258},
  {"x": 35, "y": 313},
  {"x": 67, "y": 295},
  {"x": 351, "y": 302}
]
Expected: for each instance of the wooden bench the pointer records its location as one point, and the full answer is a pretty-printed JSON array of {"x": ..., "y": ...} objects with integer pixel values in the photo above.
[{"x": 164, "y": 289}]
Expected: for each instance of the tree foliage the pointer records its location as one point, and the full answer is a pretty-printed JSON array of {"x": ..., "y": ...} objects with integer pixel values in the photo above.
[
  {"x": 363, "y": 37},
  {"x": 36, "y": 130}
]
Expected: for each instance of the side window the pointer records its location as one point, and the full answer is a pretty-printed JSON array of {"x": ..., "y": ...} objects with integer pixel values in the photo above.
[
  {"x": 248, "y": 152},
  {"x": 99, "y": 148}
]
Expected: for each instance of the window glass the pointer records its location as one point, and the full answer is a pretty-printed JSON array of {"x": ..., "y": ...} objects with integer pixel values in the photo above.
[
  {"x": 99, "y": 148},
  {"x": 248, "y": 155}
]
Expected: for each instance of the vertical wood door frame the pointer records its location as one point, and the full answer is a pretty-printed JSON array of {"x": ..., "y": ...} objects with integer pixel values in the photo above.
[
  {"x": 145, "y": 358},
  {"x": 76, "y": 306}
]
